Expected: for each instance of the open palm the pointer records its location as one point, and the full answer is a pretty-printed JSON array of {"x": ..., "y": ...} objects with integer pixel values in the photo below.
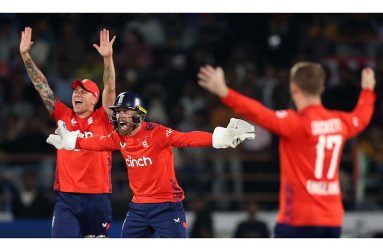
[
  {"x": 26, "y": 40},
  {"x": 106, "y": 47},
  {"x": 213, "y": 80}
]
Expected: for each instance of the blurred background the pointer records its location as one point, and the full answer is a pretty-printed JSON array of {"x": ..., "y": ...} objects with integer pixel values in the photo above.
[{"x": 229, "y": 193}]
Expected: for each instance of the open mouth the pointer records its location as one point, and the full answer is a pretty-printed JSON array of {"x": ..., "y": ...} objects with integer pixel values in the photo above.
[
  {"x": 123, "y": 125},
  {"x": 77, "y": 102}
]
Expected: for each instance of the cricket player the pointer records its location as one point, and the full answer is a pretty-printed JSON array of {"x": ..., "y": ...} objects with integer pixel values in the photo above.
[
  {"x": 311, "y": 143},
  {"x": 83, "y": 178},
  {"x": 147, "y": 149}
]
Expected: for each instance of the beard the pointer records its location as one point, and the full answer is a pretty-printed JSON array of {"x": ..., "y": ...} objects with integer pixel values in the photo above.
[{"x": 125, "y": 127}]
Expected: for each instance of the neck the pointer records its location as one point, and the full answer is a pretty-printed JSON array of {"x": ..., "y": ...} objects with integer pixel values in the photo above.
[
  {"x": 307, "y": 100},
  {"x": 84, "y": 114}
]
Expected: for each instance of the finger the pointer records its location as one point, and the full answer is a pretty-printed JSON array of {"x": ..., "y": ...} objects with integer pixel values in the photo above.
[
  {"x": 204, "y": 70},
  {"x": 26, "y": 33},
  {"x": 204, "y": 74},
  {"x": 106, "y": 36},
  {"x": 202, "y": 84},
  {"x": 103, "y": 35},
  {"x": 208, "y": 70},
  {"x": 112, "y": 41},
  {"x": 203, "y": 77},
  {"x": 97, "y": 47},
  {"x": 29, "y": 33},
  {"x": 220, "y": 70}
]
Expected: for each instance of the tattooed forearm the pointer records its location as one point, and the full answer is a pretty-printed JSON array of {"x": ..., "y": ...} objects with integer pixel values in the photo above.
[
  {"x": 109, "y": 78},
  {"x": 106, "y": 76},
  {"x": 41, "y": 84}
]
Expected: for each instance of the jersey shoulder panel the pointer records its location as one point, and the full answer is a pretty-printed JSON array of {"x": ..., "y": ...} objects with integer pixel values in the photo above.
[{"x": 60, "y": 110}]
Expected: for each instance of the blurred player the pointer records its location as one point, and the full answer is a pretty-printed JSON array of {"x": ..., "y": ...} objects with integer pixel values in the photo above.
[
  {"x": 147, "y": 149},
  {"x": 310, "y": 147},
  {"x": 83, "y": 179}
]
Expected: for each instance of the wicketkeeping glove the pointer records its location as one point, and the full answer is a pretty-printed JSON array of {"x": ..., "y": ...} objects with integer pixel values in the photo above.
[
  {"x": 55, "y": 140},
  {"x": 68, "y": 139},
  {"x": 236, "y": 132}
]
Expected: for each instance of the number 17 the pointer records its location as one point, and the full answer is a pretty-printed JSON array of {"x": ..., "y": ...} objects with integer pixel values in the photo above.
[{"x": 328, "y": 142}]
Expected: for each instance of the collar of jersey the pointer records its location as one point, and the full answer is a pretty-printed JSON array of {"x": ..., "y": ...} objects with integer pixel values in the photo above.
[{"x": 310, "y": 107}]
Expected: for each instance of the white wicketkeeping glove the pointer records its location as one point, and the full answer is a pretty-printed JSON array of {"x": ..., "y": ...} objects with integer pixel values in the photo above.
[
  {"x": 236, "y": 132},
  {"x": 55, "y": 140},
  {"x": 68, "y": 139}
]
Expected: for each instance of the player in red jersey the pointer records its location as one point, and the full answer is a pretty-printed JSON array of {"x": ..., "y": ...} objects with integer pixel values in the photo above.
[
  {"x": 310, "y": 147},
  {"x": 147, "y": 149},
  {"x": 83, "y": 179}
]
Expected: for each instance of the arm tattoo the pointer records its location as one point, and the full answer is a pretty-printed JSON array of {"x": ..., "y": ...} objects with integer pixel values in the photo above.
[
  {"x": 41, "y": 84},
  {"x": 106, "y": 76}
]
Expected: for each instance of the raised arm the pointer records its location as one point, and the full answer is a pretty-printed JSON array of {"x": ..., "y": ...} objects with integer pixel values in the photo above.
[
  {"x": 235, "y": 133},
  {"x": 282, "y": 123},
  {"x": 360, "y": 117},
  {"x": 106, "y": 51},
  {"x": 37, "y": 77}
]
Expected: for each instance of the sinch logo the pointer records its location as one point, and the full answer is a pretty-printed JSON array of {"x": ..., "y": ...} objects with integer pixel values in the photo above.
[{"x": 140, "y": 162}]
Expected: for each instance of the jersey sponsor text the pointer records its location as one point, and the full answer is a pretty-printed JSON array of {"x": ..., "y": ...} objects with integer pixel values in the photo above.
[{"x": 140, "y": 162}]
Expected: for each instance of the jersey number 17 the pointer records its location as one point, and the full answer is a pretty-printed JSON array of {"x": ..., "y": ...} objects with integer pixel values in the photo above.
[{"x": 327, "y": 142}]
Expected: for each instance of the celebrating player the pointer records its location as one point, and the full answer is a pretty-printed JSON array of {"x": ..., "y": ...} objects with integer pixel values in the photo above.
[
  {"x": 82, "y": 180},
  {"x": 311, "y": 142},
  {"x": 147, "y": 149}
]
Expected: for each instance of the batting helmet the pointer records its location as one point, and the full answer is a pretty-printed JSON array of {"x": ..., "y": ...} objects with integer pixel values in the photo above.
[{"x": 130, "y": 101}]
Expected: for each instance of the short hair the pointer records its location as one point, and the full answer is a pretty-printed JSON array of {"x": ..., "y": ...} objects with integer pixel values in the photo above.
[{"x": 309, "y": 77}]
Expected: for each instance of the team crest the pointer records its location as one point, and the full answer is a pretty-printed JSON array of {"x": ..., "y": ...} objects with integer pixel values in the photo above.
[
  {"x": 73, "y": 121},
  {"x": 168, "y": 132}
]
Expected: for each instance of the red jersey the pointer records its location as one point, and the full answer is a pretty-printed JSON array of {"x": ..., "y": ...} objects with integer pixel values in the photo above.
[
  {"x": 149, "y": 159},
  {"x": 310, "y": 147},
  {"x": 82, "y": 171}
]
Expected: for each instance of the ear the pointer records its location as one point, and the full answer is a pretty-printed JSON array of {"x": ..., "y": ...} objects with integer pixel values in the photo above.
[
  {"x": 322, "y": 89},
  {"x": 294, "y": 89},
  {"x": 94, "y": 100}
]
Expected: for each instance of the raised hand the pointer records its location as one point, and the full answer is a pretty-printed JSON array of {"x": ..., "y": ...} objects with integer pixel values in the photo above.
[
  {"x": 368, "y": 78},
  {"x": 106, "y": 47},
  {"x": 213, "y": 80},
  {"x": 26, "y": 40}
]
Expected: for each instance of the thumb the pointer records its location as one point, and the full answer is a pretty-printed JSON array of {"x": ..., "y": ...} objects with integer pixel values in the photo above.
[
  {"x": 61, "y": 129},
  {"x": 232, "y": 123},
  {"x": 220, "y": 71},
  {"x": 97, "y": 47}
]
